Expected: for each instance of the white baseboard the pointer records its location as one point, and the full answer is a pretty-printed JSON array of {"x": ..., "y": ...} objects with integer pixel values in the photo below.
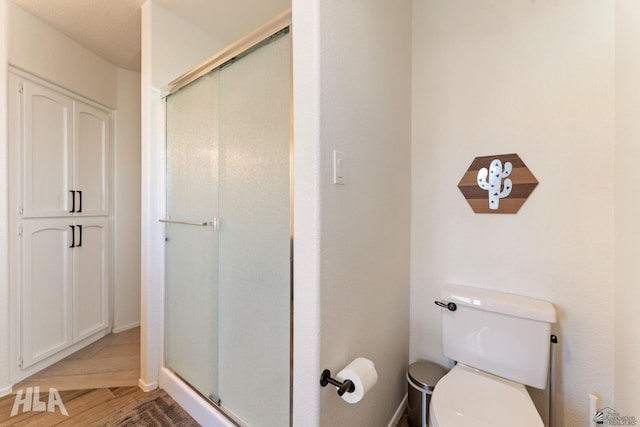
[
  {"x": 147, "y": 387},
  {"x": 399, "y": 412},
  {"x": 4, "y": 391},
  {"x": 125, "y": 327}
]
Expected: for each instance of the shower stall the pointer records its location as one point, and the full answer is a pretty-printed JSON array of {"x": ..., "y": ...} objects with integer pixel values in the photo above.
[{"x": 228, "y": 232}]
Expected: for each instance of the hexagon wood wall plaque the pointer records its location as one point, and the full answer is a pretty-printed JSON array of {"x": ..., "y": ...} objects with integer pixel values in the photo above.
[{"x": 497, "y": 184}]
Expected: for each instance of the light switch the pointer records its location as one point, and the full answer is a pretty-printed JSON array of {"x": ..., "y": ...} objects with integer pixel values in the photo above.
[{"x": 338, "y": 168}]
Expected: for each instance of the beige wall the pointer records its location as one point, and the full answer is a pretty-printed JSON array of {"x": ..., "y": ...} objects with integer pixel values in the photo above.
[
  {"x": 627, "y": 174},
  {"x": 351, "y": 93},
  {"x": 39, "y": 49},
  {"x": 5, "y": 381},
  {"x": 537, "y": 79}
]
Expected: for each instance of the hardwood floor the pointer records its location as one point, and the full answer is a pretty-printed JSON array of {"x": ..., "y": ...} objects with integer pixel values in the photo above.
[
  {"x": 84, "y": 408},
  {"x": 113, "y": 361},
  {"x": 93, "y": 384}
]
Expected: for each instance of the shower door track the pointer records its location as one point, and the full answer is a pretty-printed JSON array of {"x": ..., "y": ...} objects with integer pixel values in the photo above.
[{"x": 243, "y": 46}]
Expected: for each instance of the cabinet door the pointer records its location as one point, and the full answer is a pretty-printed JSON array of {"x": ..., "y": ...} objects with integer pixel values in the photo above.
[
  {"x": 47, "y": 153},
  {"x": 46, "y": 289},
  {"x": 90, "y": 277},
  {"x": 91, "y": 148}
]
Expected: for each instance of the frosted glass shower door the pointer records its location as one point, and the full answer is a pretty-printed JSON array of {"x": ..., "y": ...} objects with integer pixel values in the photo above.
[
  {"x": 191, "y": 250},
  {"x": 228, "y": 248},
  {"x": 255, "y": 235}
]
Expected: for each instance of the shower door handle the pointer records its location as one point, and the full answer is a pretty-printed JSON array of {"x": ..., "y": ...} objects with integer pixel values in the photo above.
[{"x": 215, "y": 223}]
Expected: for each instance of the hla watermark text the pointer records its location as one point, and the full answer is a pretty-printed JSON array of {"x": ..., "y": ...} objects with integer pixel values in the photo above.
[{"x": 31, "y": 402}]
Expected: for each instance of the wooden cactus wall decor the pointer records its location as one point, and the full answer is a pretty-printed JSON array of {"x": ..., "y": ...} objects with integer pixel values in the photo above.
[{"x": 497, "y": 184}]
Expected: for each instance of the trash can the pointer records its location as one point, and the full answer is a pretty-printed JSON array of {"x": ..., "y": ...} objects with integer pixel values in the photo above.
[{"x": 422, "y": 378}]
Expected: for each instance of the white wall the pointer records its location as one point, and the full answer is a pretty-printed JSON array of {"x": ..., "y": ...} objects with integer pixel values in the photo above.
[
  {"x": 627, "y": 174},
  {"x": 5, "y": 381},
  {"x": 36, "y": 47},
  {"x": 351, "y": 93},
  {"x": 306, "y": 199},
  {"x": 537, "y": 79},
  {"x": 177, "y": 46},
  {"x": 126, "y": 209},
  {"x": 171, "y": 46}
]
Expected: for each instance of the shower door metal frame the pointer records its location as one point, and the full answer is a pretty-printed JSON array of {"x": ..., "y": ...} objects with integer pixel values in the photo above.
[
  {"x": 240, "y": 47},
  {"x": 236, "y": 50}
]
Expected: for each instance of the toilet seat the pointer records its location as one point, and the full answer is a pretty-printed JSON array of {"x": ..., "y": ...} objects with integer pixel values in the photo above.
[{"x": 467, "y": 397}]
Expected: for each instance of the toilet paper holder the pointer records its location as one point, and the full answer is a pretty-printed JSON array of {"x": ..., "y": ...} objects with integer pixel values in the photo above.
[{"x": 343, "y": 387}]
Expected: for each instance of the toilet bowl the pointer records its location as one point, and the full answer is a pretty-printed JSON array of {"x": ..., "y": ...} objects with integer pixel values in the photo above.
[
  {"x": 500, "y": 343},
  {"x": 467, "y": 397}
]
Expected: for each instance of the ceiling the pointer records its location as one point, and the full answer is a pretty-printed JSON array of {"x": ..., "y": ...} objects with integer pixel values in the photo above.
[{"x": 111, "y": 28}]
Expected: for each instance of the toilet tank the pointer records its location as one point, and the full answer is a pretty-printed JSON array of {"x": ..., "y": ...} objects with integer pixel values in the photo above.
[{"x": 504, "y": 334}]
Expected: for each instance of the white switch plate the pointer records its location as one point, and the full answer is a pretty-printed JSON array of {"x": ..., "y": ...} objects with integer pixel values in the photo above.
[{"x": 338, "y": 168}]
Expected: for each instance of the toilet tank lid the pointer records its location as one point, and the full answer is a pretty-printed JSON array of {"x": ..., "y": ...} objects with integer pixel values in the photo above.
[{"x": 499, "y": 302}]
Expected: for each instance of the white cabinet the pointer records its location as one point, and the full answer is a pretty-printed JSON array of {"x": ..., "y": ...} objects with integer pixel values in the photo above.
[
  {"x": 59, "y": 201},
  {"x": 90, "y": 277},
  {"x": 45, "y": 130},
  {"x": 46, "y": 289},
  {"x": 64, "y": 284},
  {"x": 64, "y": 153},
  {"x": 90, "y": 172}
]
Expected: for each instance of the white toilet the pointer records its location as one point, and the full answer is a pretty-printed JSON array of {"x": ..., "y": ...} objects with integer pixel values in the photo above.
[{"x": 501, "y": 343}]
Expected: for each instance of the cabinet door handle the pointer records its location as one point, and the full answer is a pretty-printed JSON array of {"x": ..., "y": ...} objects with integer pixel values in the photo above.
[
  {"x": 80, "y": 235},
  {"x": 73, "y": 236},
  {"x": 73, "y": 201},
  {"x": 80, "y": 204}
]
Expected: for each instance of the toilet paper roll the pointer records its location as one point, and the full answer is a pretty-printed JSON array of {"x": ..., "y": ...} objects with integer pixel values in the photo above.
[{"x": 362, "y": 372}]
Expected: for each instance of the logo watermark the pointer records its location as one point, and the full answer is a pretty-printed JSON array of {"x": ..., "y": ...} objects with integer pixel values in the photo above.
[
  {"x": 31, "y": 402},
  {"x": 611, "y": 417}
]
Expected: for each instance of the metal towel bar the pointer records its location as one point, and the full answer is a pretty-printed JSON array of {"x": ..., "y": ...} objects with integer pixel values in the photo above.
[{"x": 215, "y": 223}]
